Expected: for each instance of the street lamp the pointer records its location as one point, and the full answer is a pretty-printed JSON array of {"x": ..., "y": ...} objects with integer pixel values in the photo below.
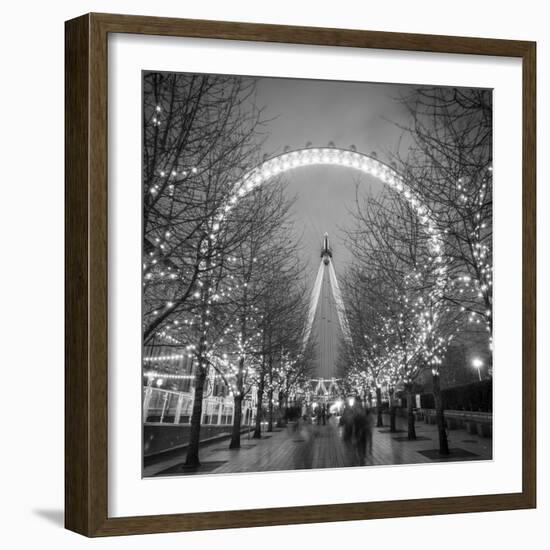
[{"x": 477, "y": 363}]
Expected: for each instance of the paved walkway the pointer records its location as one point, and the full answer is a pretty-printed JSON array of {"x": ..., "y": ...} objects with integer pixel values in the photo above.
[{"x": 305, "y": 446}]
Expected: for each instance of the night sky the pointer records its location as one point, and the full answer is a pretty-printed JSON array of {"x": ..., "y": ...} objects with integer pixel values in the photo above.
[{"x": 346, "y": 113}]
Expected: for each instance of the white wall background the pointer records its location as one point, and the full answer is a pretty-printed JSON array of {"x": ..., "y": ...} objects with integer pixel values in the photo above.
[{"x": 31, "y": 303}]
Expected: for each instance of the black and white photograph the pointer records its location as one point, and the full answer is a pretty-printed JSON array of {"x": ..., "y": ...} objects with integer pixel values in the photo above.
[
  {"x": 317, "y": 274},
  {"x": 274, "y": 275}
]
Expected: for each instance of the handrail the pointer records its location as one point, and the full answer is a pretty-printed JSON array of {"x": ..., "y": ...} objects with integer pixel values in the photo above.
[{"x": 473, "y": 415}]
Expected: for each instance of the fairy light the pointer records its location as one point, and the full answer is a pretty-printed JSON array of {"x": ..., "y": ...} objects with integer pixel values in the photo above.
[
  {"x": 283, "y": 163},
  {"x": 164, "y": 358},
  {"x": 352, "y": 159}
]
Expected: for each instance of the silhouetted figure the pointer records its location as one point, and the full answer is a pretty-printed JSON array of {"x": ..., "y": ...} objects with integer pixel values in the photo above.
[
  {"x": 347, "y": 423},
  {"x": 324, "y": 415},
  {"x": 369, "y": 424},
  {"x": 303, "y": 459},
  {"x": 360, "y": 429}
]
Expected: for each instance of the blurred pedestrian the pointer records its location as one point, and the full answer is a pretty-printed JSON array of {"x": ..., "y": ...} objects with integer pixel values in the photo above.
[
  {"x": 360, "y": 429},
  {"x": 347, "y": 422},
  {"x": 369, "y": 424}
]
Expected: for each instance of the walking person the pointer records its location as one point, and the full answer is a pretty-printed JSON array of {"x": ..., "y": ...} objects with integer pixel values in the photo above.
[
  {"x": 369, "y": 424},
  {"x": 360, "y": 429},
  {"x": 347, "y": 423}
]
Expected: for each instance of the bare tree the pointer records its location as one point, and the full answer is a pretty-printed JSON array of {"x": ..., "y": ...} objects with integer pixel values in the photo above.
[
  {"x": 361, "y": 356},
  {"x": 294, "y": 354},
  {"x": 450, "y": 166},
  {"x": 394, "y": 296},
  {"x": 283, "y": 322},
  {"x": 266, "y": 273},
  {"x": 201, "y": 134}
]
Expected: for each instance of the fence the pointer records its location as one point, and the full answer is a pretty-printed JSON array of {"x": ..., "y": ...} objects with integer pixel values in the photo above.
[
  {"x": 171, "y": 407},
  {"x": 477, "y": 396},
  {"x": 480, "y": 423}
]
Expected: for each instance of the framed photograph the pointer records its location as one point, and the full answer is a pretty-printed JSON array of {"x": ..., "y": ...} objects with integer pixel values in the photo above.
[{"x": 300, "y": 275}]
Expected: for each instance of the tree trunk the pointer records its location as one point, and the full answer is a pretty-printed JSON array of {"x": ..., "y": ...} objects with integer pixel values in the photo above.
[
  {"x": 411, "y": 431},
  {"x": 281, "y": 411},
  {"x": 235, "y": 442},
  {"x": 238, "y": 414},
  {"x": 270, "y": 413},
  {"x": 379, "y": 422},
  {"x": 237, "y": 419},
  {"x": 286, "y": 408},
  {"x": 260, "y": 397},
  {"x": 192, "y": 458},
  {"x": 270, "y": 392},
  {"x": 442, "y": 432},
  {"x": 393, "y": 428}
]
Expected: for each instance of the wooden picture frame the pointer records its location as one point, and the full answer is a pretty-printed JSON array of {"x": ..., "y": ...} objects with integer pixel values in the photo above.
[{"x": 86, "y": 222}]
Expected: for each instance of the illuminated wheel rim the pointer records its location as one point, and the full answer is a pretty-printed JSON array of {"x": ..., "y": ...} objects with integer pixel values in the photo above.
[{"x": 332, "y": 156}]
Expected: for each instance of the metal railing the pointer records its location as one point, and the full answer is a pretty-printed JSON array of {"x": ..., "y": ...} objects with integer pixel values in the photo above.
[
  {"x": 162, "y": 406},
  {"x": 473, "y": 416}
]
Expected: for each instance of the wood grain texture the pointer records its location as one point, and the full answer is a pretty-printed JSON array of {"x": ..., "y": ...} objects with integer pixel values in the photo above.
[
  {"x": 86, "y": 280},
  {"x": 77, "y": 388},
  {"x": 529, "y": 276}
]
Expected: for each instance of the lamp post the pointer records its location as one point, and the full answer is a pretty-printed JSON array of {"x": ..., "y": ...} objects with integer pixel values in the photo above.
[{"x": 477, "y": 363}]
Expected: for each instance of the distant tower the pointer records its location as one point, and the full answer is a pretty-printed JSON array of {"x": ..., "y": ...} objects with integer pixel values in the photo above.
[
  {"x": 326, "y": 252},
  {"x": 327, "y": 322}
]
